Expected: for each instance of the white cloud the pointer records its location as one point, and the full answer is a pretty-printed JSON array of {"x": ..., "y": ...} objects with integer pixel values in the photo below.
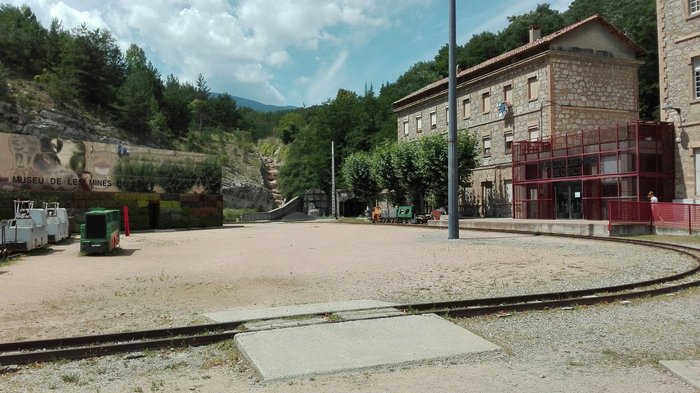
[
  {"x": 244, "y": 41},
  {"x": 323, "y": 84}
]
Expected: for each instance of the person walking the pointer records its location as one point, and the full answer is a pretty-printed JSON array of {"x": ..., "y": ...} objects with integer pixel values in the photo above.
[{"x": 652, "y": 197}]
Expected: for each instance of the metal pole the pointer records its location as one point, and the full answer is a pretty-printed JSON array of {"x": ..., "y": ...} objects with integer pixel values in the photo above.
[
  {"x": 452, "y": 203},
  {"x": 333, "y": 210}
]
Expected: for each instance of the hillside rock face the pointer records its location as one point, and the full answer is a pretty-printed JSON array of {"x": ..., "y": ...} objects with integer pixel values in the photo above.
[
  {"x": 238, "y": 192},
  {"x": 55, "y": 123}
]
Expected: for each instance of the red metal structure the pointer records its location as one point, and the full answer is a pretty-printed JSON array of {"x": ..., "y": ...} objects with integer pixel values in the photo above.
[
  {"x": 574, "y": 175},
  {"x": 661, "y": 215}
]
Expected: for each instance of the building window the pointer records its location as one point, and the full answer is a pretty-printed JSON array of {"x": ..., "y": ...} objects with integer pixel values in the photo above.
[
  {"x": 533, "y": 133},
  {"x": 487, "y": 146},
  {"x": 405, "y": 128},
  {"x": 696, "y": 72},
  {"x": 509, "y": 142},
  {"x": 694, "y": 6},
  {"x": 533, "y": 89},
  {"x": 486, "y": 102},
  {"x": 433, "y": 120},
  {"x": 419, "y": 123},
  {"x": 508, "y": 94},
  {"x": 447, "y": 115},
  {"x": 467, "y": 108}
]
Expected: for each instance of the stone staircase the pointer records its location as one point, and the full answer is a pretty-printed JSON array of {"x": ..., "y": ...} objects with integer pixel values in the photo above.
[{"x": 270, "y": 170}]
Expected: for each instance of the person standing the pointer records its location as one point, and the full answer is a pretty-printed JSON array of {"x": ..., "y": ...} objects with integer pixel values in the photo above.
[{"x": 654, "y": 206}]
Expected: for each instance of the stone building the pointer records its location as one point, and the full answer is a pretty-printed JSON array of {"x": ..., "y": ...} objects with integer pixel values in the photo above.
[
  {"x": 583, "y": 76},
  {"x": 679, "y": 82}
]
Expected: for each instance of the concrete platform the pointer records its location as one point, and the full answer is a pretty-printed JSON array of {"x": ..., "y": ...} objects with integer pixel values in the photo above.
[
  {"x": 321, "y": 349},
  {"x": 687, "y": 370},
  {"x": 568, "y": 227},
  {"x": 293, "y": 311}
]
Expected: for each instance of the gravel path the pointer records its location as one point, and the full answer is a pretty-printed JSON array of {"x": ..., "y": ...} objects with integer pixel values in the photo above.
[{"x": 172, "y": 278}]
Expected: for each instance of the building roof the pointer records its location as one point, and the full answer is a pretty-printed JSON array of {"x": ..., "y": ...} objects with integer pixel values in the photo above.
[{"x": 533, "y": 47}]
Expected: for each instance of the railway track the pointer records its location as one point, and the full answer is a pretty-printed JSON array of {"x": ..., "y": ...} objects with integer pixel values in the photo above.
[{"x": 26, "y": 352}]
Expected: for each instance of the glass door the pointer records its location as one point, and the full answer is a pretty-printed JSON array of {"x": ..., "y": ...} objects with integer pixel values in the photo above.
[{"x": 567, "y": 200}]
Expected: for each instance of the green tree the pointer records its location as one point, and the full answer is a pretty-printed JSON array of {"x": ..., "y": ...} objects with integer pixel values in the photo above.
[
  {"x": 516, "y": 34},
  {"x": 61, "y": 83},
  {"x": 357, "y": 176},
  {"x": 431, "y": 161},
  {"x": 98, "y": 64},
  {"x": 175, "y": 106},
  {"x": 288, "y": 126},
  {"x": 203, "y": 91},
  {"x": 220, "y": 111},
  {"x": 384, "y": 173},
  {"x": 404, "y": 162},
  {"x": 137, "y": 103},
  {"x": 307, "y": 163},
  {"x": 468, "y": 153},
  {"x": 56, "y": 39},
  {"x": 22, "y": 39}
]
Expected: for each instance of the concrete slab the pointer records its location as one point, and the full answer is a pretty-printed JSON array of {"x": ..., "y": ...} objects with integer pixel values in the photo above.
[
  {"x": 292, "y": 311},
  {"x": 687, "y": 370},
  {"x": 322, "y": 349}
]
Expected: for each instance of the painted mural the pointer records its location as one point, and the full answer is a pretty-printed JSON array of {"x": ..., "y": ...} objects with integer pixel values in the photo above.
[{"x": 53, "y": 164}]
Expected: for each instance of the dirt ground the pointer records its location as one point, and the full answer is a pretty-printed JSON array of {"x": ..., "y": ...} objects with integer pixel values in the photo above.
[{"x": 171, "y": 278}]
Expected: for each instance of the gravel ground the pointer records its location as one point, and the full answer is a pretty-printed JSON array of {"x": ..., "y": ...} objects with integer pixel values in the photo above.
[{"x": 172, "y": 278}]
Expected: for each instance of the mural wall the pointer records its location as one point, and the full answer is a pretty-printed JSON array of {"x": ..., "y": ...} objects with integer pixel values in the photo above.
[{"x": 29, "y": 162}]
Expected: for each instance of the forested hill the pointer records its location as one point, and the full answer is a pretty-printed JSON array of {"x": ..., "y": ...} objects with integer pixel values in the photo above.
[{"x": 259, "y": 106}]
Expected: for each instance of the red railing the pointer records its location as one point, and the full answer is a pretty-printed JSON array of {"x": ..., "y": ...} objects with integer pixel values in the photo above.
[{"x": 660, "y": 215}]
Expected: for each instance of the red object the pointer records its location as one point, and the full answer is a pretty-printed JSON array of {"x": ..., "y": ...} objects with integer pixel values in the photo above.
[
  {"x": 127, "y": 231},
  {"x": 658, "y": 214}
]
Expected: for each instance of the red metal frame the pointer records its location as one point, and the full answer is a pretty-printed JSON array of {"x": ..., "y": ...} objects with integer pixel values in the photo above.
[
  {"x": 660, "y": 215},
  {"x": 622, "y": 162}
]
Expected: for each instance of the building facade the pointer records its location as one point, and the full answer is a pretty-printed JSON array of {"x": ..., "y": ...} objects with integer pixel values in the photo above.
[
  {"x": 678, "y": 23},
  {"x": 583, "y": 76}
]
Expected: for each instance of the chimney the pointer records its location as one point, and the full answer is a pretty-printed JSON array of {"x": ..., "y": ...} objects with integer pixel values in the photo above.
[{"x": 535, "y": 33}]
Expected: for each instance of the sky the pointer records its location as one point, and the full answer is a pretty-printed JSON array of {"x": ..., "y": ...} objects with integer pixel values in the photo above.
[{"x": 285, "y": 52}]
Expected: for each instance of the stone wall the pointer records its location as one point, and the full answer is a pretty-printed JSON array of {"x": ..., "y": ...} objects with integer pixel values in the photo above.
[
  {"x": 679, "y": 44},
  {"x": 590, "y": 92},
  {"x": 146, "y": 210}
]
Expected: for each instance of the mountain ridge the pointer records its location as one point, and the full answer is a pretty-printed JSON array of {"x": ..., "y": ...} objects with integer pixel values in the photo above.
[{"x": 257, "y": 106}]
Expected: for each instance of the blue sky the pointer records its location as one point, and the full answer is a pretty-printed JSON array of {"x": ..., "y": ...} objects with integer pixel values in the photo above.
[{"x": 285, "y": 52}]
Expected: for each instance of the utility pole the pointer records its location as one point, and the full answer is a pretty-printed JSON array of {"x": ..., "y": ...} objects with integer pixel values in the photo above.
[
  {"x": 334, "y": 212},
  {"x": 452, "y": 179}
]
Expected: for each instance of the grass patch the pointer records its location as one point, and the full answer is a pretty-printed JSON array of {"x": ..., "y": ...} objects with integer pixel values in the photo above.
[
  {"x": 354, "y": 220},
  {"x": 70, "y": 378},
  {"x": 226, "y": 354},
  {"x": 234, "y": 215},
  {"x": 671, "y": 239}
]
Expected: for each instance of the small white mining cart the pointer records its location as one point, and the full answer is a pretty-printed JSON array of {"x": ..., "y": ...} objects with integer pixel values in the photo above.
[
  {"x": 27, "y": 231},
  {"x": 56, "y": 222}
]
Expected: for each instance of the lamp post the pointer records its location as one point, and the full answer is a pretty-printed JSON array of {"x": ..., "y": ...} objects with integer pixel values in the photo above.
[
  {"x": 334, "y": 212},
  {"x": 452, "y": 205}
]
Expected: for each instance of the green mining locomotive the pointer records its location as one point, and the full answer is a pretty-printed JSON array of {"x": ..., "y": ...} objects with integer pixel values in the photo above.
[{"x": 100, "y": 233}]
